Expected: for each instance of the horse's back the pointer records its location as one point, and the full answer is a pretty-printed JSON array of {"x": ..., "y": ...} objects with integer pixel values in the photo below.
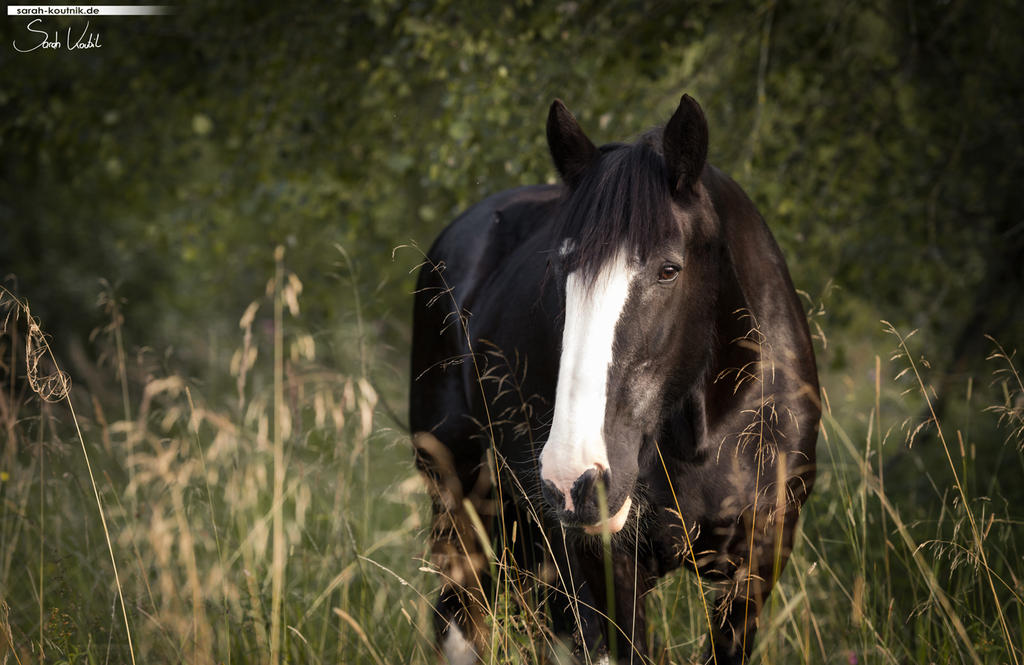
[
  {"x": 456, "y": 282},
  {"x": 478, "y": 241}
]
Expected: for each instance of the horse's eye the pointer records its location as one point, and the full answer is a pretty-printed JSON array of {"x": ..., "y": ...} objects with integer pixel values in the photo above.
[{"x": 668, "y": 273}]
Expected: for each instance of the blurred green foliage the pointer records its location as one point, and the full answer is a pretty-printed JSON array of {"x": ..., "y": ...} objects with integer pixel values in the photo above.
[{"x": 881, "y": 140}]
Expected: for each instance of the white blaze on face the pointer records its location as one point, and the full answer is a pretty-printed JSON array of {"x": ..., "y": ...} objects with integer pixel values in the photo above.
[{"x": 576, "y": 442}]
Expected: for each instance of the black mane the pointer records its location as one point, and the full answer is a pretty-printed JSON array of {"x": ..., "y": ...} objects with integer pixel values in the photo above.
[{"x": 623, "y": 200}]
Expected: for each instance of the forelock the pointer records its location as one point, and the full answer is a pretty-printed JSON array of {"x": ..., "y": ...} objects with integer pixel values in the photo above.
[{"x": 623, "y": 202}]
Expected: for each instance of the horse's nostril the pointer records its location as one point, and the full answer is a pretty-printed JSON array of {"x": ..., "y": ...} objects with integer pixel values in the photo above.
[
  {"x": 553, "y": 495},
  {"x": 584, "y": 493}
]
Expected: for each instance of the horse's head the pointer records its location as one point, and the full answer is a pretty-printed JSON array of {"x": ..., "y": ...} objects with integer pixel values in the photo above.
[{"x": 639, "y": 249}]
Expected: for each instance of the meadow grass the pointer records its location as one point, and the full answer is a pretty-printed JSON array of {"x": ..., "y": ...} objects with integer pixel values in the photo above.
[{"x": 270, "y": 512}]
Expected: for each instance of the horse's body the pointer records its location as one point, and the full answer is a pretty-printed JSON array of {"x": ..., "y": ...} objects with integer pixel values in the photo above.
[{"x": 623, "y": 353}]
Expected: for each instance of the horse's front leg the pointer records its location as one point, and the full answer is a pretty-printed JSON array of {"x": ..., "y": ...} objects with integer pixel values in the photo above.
[
  {"x": 459, "y": 615},
  {"x": 738, "y": 608},
  {"x": 622, "y": 615}
]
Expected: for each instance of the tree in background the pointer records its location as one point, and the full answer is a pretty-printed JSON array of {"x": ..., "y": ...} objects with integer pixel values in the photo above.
[{"x": 882, "y": 141}]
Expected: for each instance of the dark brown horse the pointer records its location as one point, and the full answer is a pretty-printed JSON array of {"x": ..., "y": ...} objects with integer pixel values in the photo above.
[{"x": 621, "y": 354}]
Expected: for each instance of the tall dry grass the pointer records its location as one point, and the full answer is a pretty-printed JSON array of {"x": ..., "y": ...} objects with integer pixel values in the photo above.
[{"x": 269, "y": 512}]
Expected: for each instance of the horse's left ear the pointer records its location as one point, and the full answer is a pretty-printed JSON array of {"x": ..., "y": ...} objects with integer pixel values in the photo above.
[
  {"x": 570, "y": 148},
  {"x": 685, "y": 145}
]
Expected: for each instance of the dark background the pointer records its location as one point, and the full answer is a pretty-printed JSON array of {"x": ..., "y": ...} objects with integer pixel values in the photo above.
[
  {"x": 881, "y": 140},
  {"x": 145, "y": 185}
]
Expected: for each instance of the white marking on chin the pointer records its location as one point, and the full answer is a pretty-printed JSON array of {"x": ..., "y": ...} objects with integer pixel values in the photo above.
[
  {"x": 576, "y": 442},
  {"x": 457, "y": 649},
  {"x": 602, "y": 660},
  {"x": 614, "y": 523}
]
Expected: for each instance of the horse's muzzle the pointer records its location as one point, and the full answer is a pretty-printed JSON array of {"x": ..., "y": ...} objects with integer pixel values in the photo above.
[{"x": 582, "y": 506}]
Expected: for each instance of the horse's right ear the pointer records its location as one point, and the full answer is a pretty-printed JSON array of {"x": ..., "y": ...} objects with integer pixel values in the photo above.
[{"x": 570, "y": 148}]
